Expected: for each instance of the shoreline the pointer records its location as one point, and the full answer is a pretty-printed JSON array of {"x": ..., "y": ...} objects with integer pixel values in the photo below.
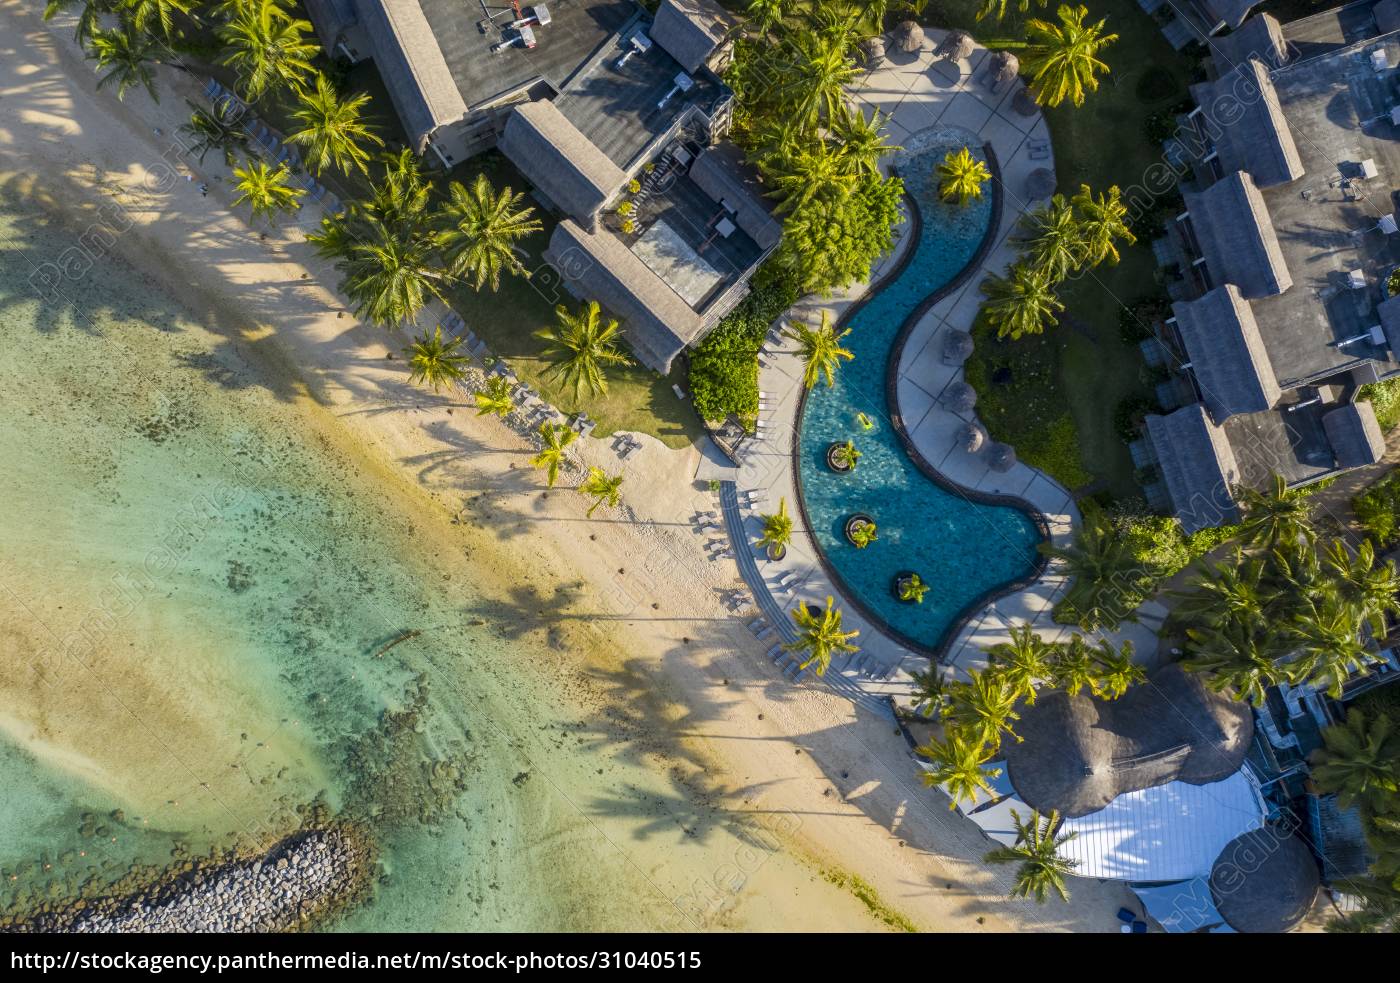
[{"x": 699, "y": 699}]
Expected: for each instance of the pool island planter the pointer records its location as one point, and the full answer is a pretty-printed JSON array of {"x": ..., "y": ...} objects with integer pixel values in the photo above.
[
  {"x": 836, "y": 461},
  {"x": 901, "y": 580},
  {"x": 856, "y": 521}
]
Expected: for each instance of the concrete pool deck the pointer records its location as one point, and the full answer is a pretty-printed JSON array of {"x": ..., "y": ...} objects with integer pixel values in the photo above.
[{"x": 917, "y": 92}]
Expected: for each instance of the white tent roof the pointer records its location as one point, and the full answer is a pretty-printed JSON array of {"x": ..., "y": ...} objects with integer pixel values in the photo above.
[
  {"x": 1171, "y": 832},
  {"x": 1185, "y": 906}
]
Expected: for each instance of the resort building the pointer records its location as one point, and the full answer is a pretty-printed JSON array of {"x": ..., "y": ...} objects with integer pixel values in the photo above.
[
  {"x": 1161, "y": 790},
  {"x": 1282, "y": 256},
  {"x": 594, "y": 101}
]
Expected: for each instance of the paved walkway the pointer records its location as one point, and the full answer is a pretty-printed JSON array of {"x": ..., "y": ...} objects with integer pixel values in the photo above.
[{"x": 917, "y": 92}]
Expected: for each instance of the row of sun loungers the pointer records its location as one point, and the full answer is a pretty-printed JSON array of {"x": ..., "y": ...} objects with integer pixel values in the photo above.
[{"x": 787, "y": 662}]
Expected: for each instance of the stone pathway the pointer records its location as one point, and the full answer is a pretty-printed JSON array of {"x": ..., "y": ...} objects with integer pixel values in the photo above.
[{"x": 917, "y": 92}]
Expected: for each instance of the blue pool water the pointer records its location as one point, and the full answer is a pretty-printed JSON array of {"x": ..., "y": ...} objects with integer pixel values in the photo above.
[{"x": 960, "y": 547}]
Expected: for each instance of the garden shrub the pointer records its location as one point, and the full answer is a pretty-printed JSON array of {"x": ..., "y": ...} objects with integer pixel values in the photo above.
[
  {"x": 724, "y": 367},
  {"x": 1385, "y": 400},
  {"x": 1378, "y": 510},
  {"x": 1127, "y": 417}
]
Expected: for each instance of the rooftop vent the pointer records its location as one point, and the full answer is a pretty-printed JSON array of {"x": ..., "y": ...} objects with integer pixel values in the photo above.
[
  {"x": 637, "y": 44},
  {"x": 684, "y": 83},
  {"x": 1379, "y": 61}
]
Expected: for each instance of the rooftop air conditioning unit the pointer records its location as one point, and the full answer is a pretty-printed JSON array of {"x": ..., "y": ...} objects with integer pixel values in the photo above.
[
  {"x": 684, "y": 83},
  {"x": 1368, "y": 168},
  {"x": 1356, "y": 279},
  {"x": 1379, "y": 61}
]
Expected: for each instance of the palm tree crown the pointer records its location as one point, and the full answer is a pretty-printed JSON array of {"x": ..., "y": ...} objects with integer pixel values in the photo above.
[
  {"x": 821, "y": 348},
  {"x": 821, "y": 635},
  {"x": 960, "y": 766},
  {"x": 481, "y": 230},
  {"x": 435, "y": 362},
  {"x": 1041, "y": 869},
  {"x": 333, "y": 131},
  {"x": 495, "y": 399},
  {"x": 604, "y": 488},
  {"x": 1021, "y": 304},
  {"x": 777, "y": 528},
  {"x": 1102, "y": 219},
  {"x": 582, "y": 345},
  {"x": 1359, "y": 760},
  {"x": 1054, "y": 239},
  {"x": 1062, "y": 59},
  {"x": 555, "y": 438},
  {"x": 266, "y": 191},
  {"x": 267, "y": 46},
  {"x": 125, "y": 54},
  {"x": 961, "y": 176}
]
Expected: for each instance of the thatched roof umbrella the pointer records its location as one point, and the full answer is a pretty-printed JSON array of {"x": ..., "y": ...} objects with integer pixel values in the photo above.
[
  {"x": 908, "y": 37},
  {"x": 956, "y": 46},
  {"x": 971, "y": 437},
  {"x": 872, "y": 51},
  {"x": 957, "y": 347},
  {"x": 1264, "y": 881},
  {"x": 1024, "y": 103},
  {"x": 961, "y": 397},
  {"x": 1001, "y": 457},
  {"x": 1004, "y": 66},
  {"x": 1040, "y": 183}
]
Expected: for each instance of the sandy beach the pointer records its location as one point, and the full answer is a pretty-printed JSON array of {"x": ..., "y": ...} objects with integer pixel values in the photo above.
[{"x": 638, "y": 628}]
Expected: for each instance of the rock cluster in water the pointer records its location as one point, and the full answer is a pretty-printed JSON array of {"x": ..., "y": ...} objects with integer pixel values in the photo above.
[{"x": 303, "y": 879}]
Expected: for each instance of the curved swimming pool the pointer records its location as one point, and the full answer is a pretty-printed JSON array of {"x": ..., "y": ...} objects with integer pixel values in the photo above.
[{"x": 966, "y": 547}]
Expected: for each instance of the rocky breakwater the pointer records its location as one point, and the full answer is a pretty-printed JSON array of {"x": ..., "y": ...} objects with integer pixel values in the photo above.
[{"x": 305, "y": 879}]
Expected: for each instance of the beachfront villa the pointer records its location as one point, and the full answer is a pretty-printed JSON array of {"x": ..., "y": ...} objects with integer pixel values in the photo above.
[
  {"x": 1284, "y": 253},
  {"x": 587, "y": 98}
]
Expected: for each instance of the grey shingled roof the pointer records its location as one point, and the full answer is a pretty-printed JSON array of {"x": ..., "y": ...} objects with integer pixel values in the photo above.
[
  {"x": 1354, "y": 434},
  {"x": 1264, "y": 881},
  {"x": 1260, "y": 37},
  {"x": 1226, "y": 353},
  {"x": 560, "y": 161},
  {"x": 722, "y": 173},
  {"x": 1197, "y": 464},
  {"x": 1079, "y": 753},
  {"x": 690, "y": 30},
  {"x": 1387, "y": 15},
  {"x": 1237, "y": 236},
  {"x": 1232, "y": 12},
  {"x": 658, "y": 324},
  {"x": 1257, "y": 138},
  {"x": 406, "y": 53}
]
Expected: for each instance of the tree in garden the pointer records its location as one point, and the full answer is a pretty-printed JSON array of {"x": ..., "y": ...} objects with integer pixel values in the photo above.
[
  {"x": 602, "y": 488},
  {"x": 997, "y": 8},
  {"x": 1237, "y": 659},
  {"x": 860, "y": 141},
  {"x": 1063, "y": 59},
  {"x": 817, "y": 170},
  {"x": 1054, "y": 239},
  {"x": 1102, "y": 221},
  {"x": 495, "y": 399},
  {"x": 960, "y": 766},
  {"x": 435, "y": 362},
  {"x": 913, "y": 589},
  {"x": 266, "y": 46},
  {"x": 1371, "y": 590},
  {"x": 582, "y": 345},
  {"x": 1023, "y": 663},
  {"x": 983, "y": 707},
  {"x": 1115, "y": 672},
  {"x": 765, "y": 15},
  {"x": 155, "y": 17},
  {"x": 820, "y": 635},
  {"x": 214, "y": 129},
  {"x": 1279, "y": 516},
  {"x": 961, "y": 176},
  {"x": 481, "y": 231},
  {"x": 834, "y": 240},
  {"x": 1329, "y": 646},
  {"x": 1037, "y": 852},
  {"x": 1022, "y": 303},
  {"x": 820, "y": 347},
  {"x": 814, "y": 70},
  {"x": 1072, "y": 666},
  {"x": 777, "y": 528},
  {"x": 930, "y": 691},
  {"x": 266, "y": 191},
  {"x": 126, "y": 57},
  {"x": 555, "y": 437},
  {"x": 331, "y": 130},
  {"x": 1360, "y": 762},
  {"x": 1231, "y": 592},
  {"x": 1105, "y": 569}
]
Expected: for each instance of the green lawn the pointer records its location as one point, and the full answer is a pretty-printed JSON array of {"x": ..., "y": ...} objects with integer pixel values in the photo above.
[{"x": 1100, "y": 143}]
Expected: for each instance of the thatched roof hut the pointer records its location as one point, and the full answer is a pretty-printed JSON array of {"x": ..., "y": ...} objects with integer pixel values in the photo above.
[
  {"x": 1264, "y": 881},
  {"x": 971, "y": 437},
  {"x": 1001, "y": 457},
  {"x": 957, "y": 347},
  {"x": 872, "y": 51},
  {"x": 691, "y": 30},
  {"x": 1004, "y": 66},
  {"x": 1258, "y": 139},
  {"x": 1040, "y": 183},
  {"x": 563, "y": 164},
  {"x": 1226, "y": 352},
  {"x": 1079, "y": 753},
  {"x": 908, "y": 37},
  {"x": 955, "y": 46},
  {"x": 421, "y": 87},
  {"x": 1237, "y": 236},
  {"x": 960, "y": 397},
  {"x": 1198, "y": 466}
]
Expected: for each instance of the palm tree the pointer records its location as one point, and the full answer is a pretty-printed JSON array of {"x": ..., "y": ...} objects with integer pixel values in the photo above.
[
  {"x": 155, "y": 16},
  {"x": 495, "y": 399},
  {"x": 765, "y": 15},
  {"x": 983, "y": 707},
  {"x": 603, "y": 488},
  {"x": 1115, "y": 672},
  {"x": 332, "y": 130},
  {"x": 777, "y": 528},
  {"x": 582, "y": 344},
  {"x": 126, "y": 55},
  {"x": 89, "y": 18},
  {"x": 1104, "y": 567},
  {"x": 556, "y": 437},
  {"x": 1237, "y": 659},
  {"x": 481, "y": 229},
  {"x": 821, "y": 348},
  {"x": 1232, "y": 592},
  {"x": 1054, "y": 239},
  {"x": 266, "y": 191},
  {"x": 434, "y": 361},
  {"x": 960, "y": 766},
  {"x": 267, "y": 46},
  {"x": 1360, "y": 761},
  {"x": 998, "y": 7},
  {"x": 1373, "y": 592},
  {"x": 811, "y": 170},
  {"x": 821, "y": 636},
  {"x": 961, "y": 176},
  {"x": 912, "y": 589},
  {"x": 812, "y": 77},
  {"x": 846, "y": 455},
  {"x": 214, "y": 129},
  {"x": 1101, "y": 221},
  {"x": 1072, "y": 666},
  {"x": 860, "y": 141},
  {"x": 1062, "y": 59},
  {"x": 1330, "y": 649},
  {"x": 1021, "y": 304},
  {"x": 1280, "y": 516},
  {"x": 863, "y": 535},
  {"x": 1037, "y": 850},
  {"x": 930, "y": 691},
  {"x": 1022, "y": 663}
]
